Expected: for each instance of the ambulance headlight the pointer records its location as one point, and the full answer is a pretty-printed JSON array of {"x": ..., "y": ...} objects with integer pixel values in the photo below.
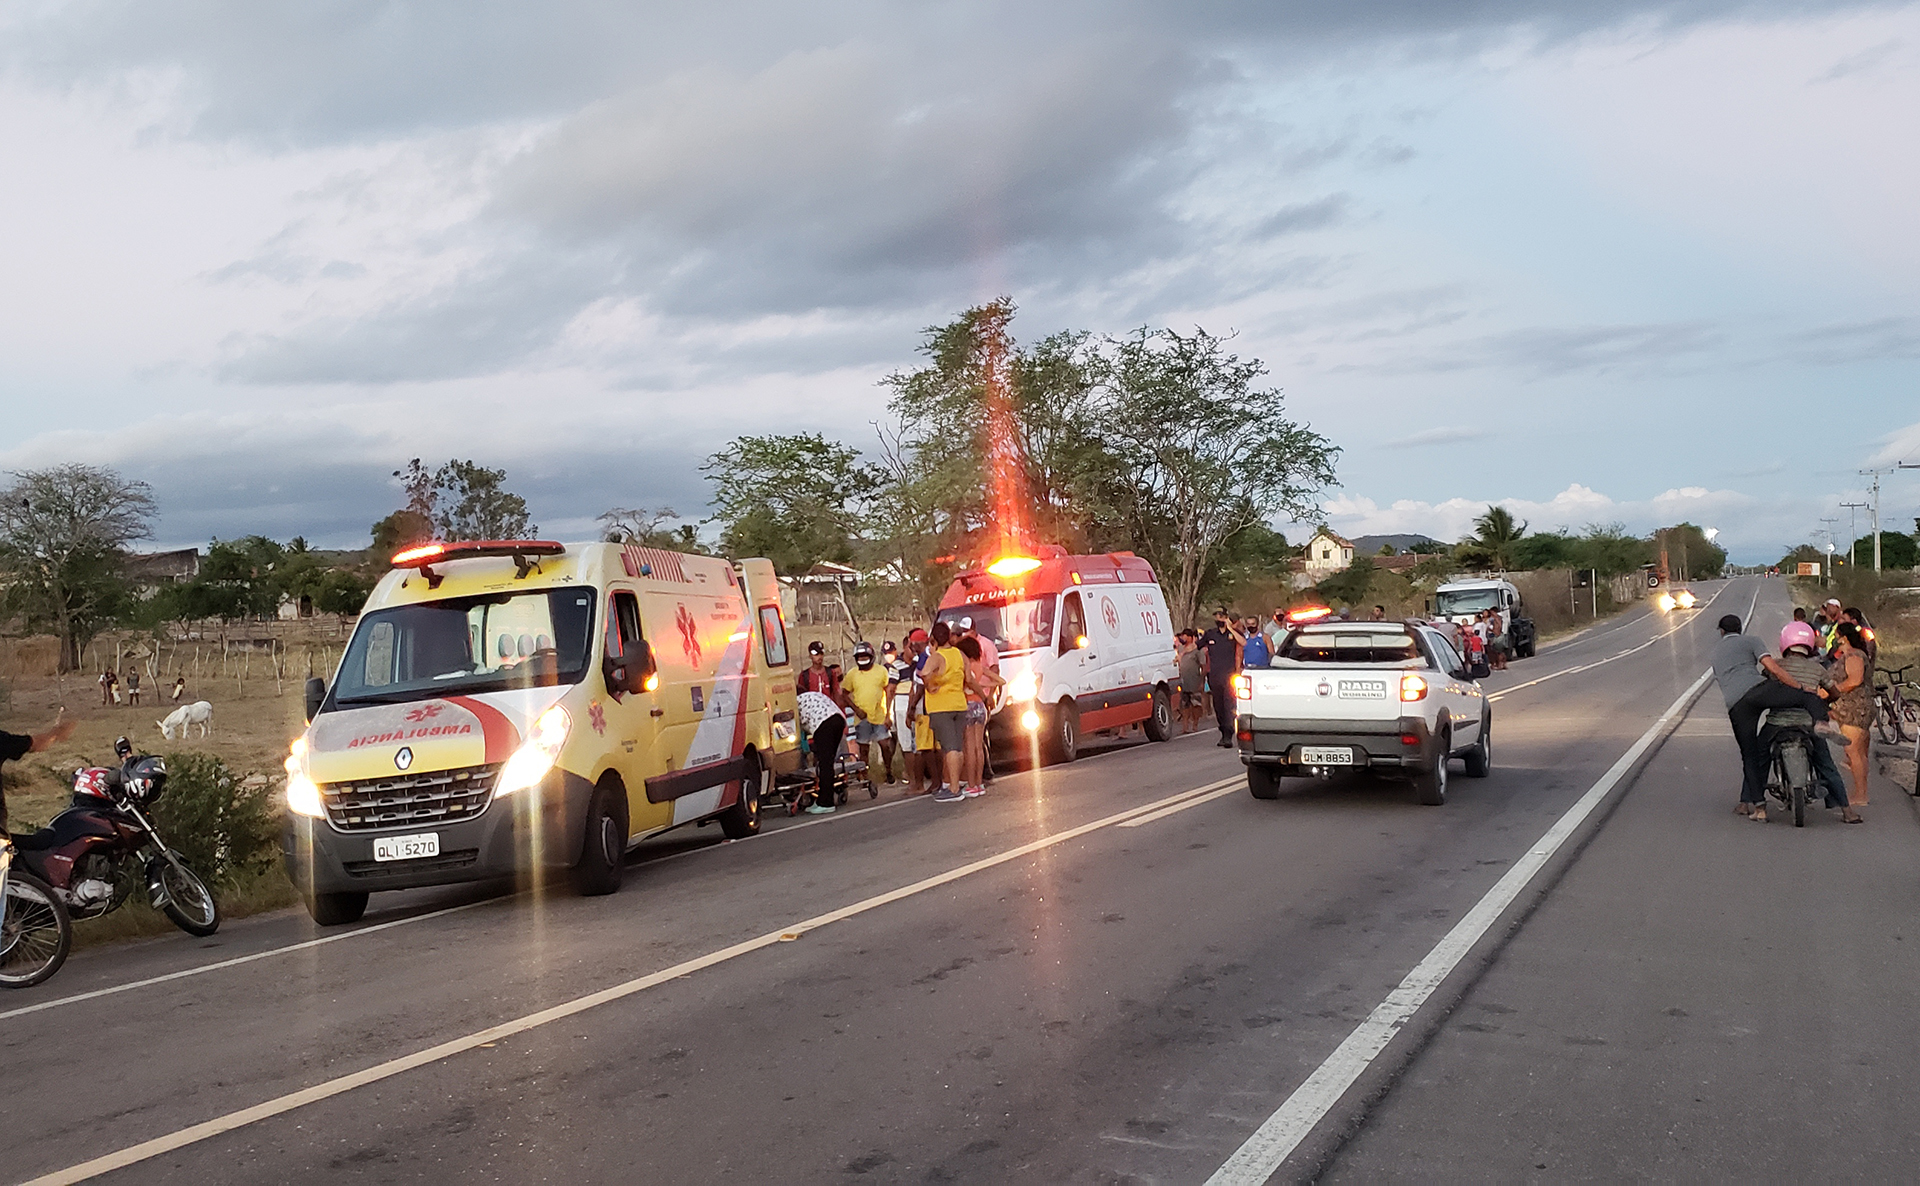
[
  {"x": 303, "y": 797},
  {"x": 1022, "y": 687},
  {"x": 530, "y": 763}
]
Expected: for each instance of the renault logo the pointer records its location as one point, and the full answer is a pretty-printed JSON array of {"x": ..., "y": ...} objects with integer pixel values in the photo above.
[{"x": 404, "y": 758}]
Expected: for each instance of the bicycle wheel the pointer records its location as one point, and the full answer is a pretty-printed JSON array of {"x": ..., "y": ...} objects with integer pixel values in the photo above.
[
  {"x": 35, "y": 932},
  {"x": 1884, "y": 721}
]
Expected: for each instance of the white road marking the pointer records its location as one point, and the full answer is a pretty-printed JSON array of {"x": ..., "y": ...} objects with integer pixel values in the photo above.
[
  {"x": 1232, "y": 787},
  {"x": 1262, "y": 1154},
  {"x": 1693, "y": 615},
  {"x": 216, "y": 966},
  {"x": 135, "y": 1154}
]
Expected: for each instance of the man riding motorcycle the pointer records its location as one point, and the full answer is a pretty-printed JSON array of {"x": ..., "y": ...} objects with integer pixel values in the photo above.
[
  {"x": 1799, "y": 656},
  {"x": 1742, "y": 665}
]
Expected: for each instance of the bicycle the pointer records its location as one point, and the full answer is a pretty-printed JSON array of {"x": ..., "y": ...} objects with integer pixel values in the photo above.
[{"x": 1896, "y": 717}]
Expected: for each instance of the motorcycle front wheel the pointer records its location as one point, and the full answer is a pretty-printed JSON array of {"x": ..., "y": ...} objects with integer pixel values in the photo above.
[
  {"x": 35, "y": 932},
  {"x": 183, "y": 897}
]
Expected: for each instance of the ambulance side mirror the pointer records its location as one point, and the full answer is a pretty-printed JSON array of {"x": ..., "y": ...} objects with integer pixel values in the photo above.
[
  {"x": 628, "y": 671},
  {"x": 316, "y": 696}
]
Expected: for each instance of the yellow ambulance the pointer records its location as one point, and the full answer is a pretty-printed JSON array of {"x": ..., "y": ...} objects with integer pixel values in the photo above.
[{"x": 510, "y": 705}]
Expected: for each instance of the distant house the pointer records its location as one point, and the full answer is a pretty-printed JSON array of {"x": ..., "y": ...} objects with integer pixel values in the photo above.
[
  {"x": 1326, "y": 553},
  {"x": 821, "y": 593},
  {"x": 148, "y": 571}
]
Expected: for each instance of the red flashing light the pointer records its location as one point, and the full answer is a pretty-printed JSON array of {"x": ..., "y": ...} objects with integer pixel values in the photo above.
[
  {"x": 1013, "y": 566},
  {"x": 1308, "y": 613},
  {"x": 424, "y": 554},
  {"x": 417, "y": 554}
]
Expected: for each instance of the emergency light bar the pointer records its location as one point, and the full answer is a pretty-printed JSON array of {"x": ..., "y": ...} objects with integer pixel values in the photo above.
[
  {"x": 1308, "y": 613},
  {"x": 424, "y": 555}
]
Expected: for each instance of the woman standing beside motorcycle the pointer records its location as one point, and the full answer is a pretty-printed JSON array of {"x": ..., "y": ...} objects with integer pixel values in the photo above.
[
  {"x": 1852, "y": 675},
  {"x": 35, "y": 931}
]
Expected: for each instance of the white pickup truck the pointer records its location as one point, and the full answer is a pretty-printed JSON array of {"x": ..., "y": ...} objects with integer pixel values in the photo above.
[{"x": 1393, "y": 697}]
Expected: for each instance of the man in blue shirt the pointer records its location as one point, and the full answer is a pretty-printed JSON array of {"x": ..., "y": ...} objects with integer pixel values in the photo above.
[{"x": 1254, "y": 652}]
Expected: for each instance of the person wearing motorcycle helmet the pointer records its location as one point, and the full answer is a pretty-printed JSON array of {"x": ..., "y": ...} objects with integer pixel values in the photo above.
[
  {"x": 869, "y": 691},
  {"x": 14, "y": 746},
  {"x": 1800, "y": 656},
  {"x": 1742, "y": 665}
]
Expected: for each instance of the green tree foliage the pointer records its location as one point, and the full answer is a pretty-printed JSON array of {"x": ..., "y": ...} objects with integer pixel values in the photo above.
[
  {"x": 63, "y": 537},
  {"x": 1690, "y": 555},
  {"x": 472, "y": 502},
  {"x": 1494, "y": 542},
  {"x": 1897, "y": 550},
  {"x": 1350, "y": 585},
  {"x": 797, "y": 500},
  {"x": 1205, "y": 451},
  {"x": 1609, "y": 550},
  {"x": 400, "y": 531},
  {"x": 1804, "y": 554},
  {"x": 1545, "y": 549}
]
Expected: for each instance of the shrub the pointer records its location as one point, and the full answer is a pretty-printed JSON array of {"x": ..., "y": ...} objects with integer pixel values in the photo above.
[{"x": 222, "y": 830}]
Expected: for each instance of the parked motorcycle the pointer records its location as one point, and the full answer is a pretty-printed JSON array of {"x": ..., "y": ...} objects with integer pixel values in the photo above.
[
  {"x": 35, "y": 931},
  {"x": 103, "y": 847}
]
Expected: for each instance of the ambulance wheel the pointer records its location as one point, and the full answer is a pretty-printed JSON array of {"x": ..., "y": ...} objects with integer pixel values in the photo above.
[
  {"x": 1063, "y": 734},
  {"x": 1160, "y": 723},
  {"x": 336, "y": 910},
  {"x": 603, "y": 857},
  {"x": 743, "y": 818}
]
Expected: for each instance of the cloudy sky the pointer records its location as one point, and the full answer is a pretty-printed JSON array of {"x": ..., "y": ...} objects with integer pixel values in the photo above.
[{"x": 1602, "y": 261}]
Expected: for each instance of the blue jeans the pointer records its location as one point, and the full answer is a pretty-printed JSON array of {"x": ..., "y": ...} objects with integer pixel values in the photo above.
[{"x": 1823, "y": 764}]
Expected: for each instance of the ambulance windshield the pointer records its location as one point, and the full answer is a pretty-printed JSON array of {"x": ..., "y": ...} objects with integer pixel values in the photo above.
[
  {"x": 1015, "y": 626},
  {"x": 468, "y": 644}
]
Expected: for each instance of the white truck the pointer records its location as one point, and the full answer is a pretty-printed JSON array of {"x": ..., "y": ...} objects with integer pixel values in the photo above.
[
  {"x": 1463, "y": 597},
  {"x": 1390, "y": 697}
]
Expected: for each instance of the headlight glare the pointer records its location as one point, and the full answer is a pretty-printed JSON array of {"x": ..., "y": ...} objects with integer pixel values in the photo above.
[
  {"x": 530, "y": 763},
  {"x": 303, "y": 797}
]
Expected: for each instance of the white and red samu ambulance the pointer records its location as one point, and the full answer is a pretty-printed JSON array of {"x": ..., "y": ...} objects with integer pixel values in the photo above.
[{"x": 1085, "y": 642}]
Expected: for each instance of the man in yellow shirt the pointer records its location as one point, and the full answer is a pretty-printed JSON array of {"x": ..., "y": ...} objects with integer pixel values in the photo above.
[
  {"x": 869, "y": 691},
  {"x": 944, "y": 683}
]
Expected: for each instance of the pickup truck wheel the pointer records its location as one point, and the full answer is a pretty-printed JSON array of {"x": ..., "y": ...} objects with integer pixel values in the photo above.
[
  {"x": 1063, "y": 733},
  {"x": 603, "y": 856},
  {"x": 1431, "y": 785},
  {"x": 1480, "y": 757},
  {"x": 1263, "y": 781},
  {"x": 1160, "y": 722}
]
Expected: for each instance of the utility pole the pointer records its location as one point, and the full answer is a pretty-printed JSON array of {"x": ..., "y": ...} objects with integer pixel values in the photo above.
[
  {"x": 1853, "y": 533},
  {"x": 1876, "y": 516},
  {"x": 1826, "y": 570}
]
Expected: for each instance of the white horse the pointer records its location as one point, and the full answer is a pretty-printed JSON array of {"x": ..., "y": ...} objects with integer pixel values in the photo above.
[{"x": 200, "y": 713}]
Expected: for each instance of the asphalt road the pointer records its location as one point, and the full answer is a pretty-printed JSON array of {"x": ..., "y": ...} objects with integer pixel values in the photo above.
[{"x": 1036, "y": 986}]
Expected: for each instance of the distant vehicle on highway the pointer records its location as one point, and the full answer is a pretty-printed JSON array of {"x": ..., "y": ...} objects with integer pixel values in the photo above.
[
  {"x": 1459, "y": 600},
  {"x": 504, "y": 705},
  {"x": 1085, "y": 642},
  {"x": 1390, "y": 697}
]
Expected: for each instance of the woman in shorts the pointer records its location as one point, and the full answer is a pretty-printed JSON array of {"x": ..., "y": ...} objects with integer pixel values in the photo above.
[
  {"x": 944, "y": 680},
  {"x": 981, "y": 683}
]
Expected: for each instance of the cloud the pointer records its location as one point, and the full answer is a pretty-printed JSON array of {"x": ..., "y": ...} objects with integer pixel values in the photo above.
[
  {"x": 1304, "y": 216},
  {"x": 1438, "y": 436},
  {"x": 1573, "y": 508},
  {"x": 1866, "y": 61},
  {"x": 1862, "y": 341}
]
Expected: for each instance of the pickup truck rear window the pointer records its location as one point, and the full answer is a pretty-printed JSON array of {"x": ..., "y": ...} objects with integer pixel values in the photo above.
[{"x": 1355, "y": 646}]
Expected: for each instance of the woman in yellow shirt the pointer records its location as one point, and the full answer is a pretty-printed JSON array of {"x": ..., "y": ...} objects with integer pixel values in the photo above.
[{"x": 945, "y": 677}]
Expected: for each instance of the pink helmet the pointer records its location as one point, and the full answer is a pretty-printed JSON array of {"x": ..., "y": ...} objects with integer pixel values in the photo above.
[{"x": 1799, "y": 634}]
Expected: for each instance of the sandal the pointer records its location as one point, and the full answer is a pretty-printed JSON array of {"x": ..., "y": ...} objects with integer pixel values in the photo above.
[
  {"x": 1759, "y": 815},
  {"x": 1849, "y": 816},
  {"x": 1743, "y": 808}
]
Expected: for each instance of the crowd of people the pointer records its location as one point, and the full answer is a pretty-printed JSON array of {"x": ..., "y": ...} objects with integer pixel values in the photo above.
[
  {"x": 1822, "y": 680},
  {"x": 921, "y": 706}
]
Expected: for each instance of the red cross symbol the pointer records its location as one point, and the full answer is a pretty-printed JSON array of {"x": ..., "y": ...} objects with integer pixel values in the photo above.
[
  {"x": 689, "y": 635},
  {"x": 426, "y": 712},
  {"x": 597, "y": 717}
]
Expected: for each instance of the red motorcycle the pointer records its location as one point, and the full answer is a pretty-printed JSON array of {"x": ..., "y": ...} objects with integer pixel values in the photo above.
[{"x": 103, "y": 847}]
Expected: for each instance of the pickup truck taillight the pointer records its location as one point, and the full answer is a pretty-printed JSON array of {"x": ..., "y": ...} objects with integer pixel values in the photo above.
[
  {"x": 1412, "y": 687},
  {"x": 1243, "y": 687}
]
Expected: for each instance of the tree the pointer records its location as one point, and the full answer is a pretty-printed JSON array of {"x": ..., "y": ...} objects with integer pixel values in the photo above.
[
  {"x": 650, "y": 528},
  {"x": 471, "y": 502},
  {"x": 1494, "y": 539},
  {"x": 794, "y": 499},
  {"x": 1609, "y": 550},
  {"x": 1205, "y": 452},
  {"x": 400, "y": 530},
  {"x": 63, "y": 537},
  {"x": 1897, "y": 550},
  {"x": 1349, "y": 586},
  {"x": 1690, "y": 554}
]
